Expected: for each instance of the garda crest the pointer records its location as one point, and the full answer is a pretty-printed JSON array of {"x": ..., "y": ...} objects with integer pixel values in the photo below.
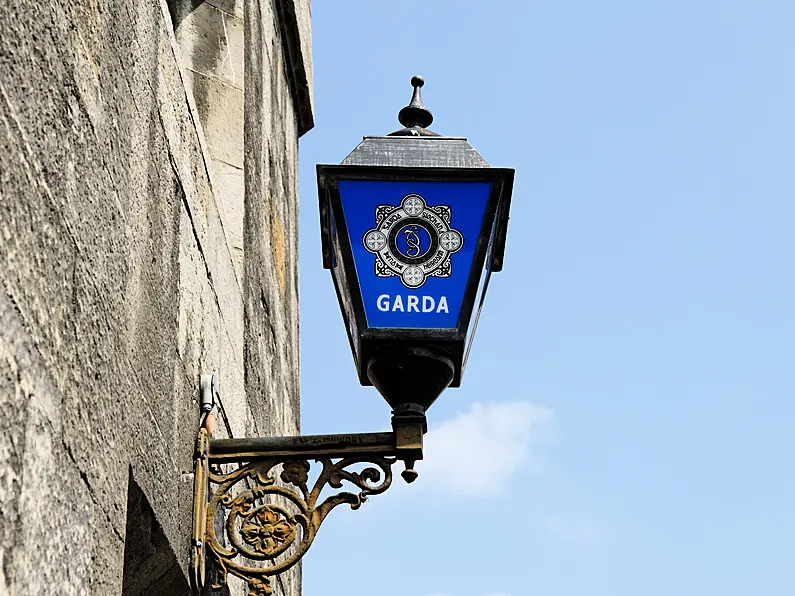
[{"x": 413, "y": 241}]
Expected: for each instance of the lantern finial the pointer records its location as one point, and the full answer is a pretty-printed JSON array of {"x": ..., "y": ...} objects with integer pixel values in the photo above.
[{"x": 416, "y": 115}]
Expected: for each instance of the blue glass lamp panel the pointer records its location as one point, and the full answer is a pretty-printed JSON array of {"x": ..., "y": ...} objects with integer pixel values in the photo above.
[
  {"x": 413, "y": 246},
  {"x": 480, "y": 296},
  {"x": 341, "y": 284}
]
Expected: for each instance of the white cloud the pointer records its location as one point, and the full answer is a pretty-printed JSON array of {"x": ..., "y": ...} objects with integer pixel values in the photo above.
[{"x": 477, "y": 453}]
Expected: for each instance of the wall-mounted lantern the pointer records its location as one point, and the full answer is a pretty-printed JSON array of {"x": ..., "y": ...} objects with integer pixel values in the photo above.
[{"x": 413, "y": 224}]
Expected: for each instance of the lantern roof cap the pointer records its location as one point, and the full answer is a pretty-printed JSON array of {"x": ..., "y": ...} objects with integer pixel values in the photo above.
[{"x": 415, "y": 152}]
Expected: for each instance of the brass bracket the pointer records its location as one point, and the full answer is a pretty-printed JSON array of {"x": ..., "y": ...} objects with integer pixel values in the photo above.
[{"x": 262, "y": 516}]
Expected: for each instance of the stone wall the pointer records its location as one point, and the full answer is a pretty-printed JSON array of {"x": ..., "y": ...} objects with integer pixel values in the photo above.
[{"x": 148, "y": 234}]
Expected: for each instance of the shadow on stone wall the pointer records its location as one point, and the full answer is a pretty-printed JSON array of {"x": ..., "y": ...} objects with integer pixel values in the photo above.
[{"x": 150, "y": 566}]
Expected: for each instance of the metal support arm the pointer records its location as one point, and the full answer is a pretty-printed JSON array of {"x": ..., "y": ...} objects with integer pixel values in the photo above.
[{"x": 262, "y": 517}]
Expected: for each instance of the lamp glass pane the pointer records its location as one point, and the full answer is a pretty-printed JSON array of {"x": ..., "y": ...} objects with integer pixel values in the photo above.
[
  {"x": 342, "y": 285},
  {"x": 483, "y": 285},
  {"x": 413, "y": 244}
]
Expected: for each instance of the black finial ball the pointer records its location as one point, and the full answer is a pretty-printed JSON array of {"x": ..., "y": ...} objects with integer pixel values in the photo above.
[{"x": 416, "y": 115}]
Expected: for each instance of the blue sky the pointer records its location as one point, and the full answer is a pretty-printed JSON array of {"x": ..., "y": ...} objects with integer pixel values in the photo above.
[{"x": 626, "y": 424}]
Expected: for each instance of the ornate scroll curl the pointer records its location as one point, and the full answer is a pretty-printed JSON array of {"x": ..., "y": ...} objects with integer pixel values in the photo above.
[{"x": 260, "y": 538}]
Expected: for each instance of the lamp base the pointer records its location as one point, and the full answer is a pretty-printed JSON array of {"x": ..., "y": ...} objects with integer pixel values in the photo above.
[{"x": 409, "y": 376}]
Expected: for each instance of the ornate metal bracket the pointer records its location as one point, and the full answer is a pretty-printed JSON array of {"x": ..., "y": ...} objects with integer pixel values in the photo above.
[{"x": 262, "y": 517}]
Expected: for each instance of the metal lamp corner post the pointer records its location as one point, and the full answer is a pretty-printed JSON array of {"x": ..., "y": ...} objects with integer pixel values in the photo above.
[{"x": 412, "y": 225}]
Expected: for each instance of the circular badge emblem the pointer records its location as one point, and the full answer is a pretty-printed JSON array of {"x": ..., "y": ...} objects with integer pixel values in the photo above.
[{"x": 413, "y": 241}]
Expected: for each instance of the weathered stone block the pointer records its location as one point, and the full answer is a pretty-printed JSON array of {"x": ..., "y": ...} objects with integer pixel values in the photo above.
[
  {"x": 211, "y": 44},
  {"x": 220, "y": 107}
]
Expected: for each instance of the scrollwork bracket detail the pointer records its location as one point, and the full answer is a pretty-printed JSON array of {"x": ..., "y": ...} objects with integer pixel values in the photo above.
[{"x": 259, "y": 519}]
